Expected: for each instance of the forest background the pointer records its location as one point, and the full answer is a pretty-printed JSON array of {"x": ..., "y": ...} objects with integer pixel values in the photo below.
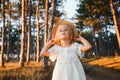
[{"x": 25, "y": 27}]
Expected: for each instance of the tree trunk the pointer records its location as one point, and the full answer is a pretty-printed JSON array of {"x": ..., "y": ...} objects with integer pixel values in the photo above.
[
  {"x": 8, "y": 41},
  {"x": 46, "y": 22},
  {"x": 95, "y": 52},
  {"x": 115, "y": 22},
  {"x": 46, "y": 30},
  {"x": 38, "y": 32},
  {"x": 9, "y": 30},
  {"x": 21, "y": 62},
  {"x": 51, "y": 19},
  {"x": 3, "y": 36},
  {"x": 29, "y": 36}
]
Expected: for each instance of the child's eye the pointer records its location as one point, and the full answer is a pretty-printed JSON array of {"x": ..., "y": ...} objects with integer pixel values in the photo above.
[
  {"x": 60, "y": 30},
  {"x": 63, "y": 30},
  {"x": 66, "y": 30}
]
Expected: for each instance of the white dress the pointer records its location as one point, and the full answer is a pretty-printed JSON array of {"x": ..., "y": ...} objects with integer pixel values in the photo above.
[{"x": 68, "y": 65}]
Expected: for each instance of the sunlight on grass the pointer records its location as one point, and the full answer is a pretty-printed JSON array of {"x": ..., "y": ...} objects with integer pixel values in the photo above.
[
  {"x": 108, "y": 62},
  {"x": 33, "y": 71},
  {"x": 15, "y": 65},
  {"x": 112, "y": 65},
  {"x": 9, "y": 66}
]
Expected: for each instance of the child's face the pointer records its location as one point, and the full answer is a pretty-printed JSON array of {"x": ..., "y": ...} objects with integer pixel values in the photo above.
[{"x": 63, "y": 32}]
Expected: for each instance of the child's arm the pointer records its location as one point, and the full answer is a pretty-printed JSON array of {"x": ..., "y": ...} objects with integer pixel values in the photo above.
[
  {"x": 86, "y": 45},
  {"x": 44, "y": 51}
]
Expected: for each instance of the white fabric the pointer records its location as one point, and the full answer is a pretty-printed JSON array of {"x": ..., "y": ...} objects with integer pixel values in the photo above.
[{"x": 68, "y": 65}]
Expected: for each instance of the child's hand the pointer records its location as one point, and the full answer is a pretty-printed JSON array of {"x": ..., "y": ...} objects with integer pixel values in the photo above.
[
  {"x": 51, "y": 42},
  {"x": 85, "y": 44},
  {"x": 77, "y": 38}
]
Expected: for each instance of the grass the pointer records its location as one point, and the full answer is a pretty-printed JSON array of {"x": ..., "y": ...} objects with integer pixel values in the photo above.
[
  {"x": 33, "y": 71},
  {"x": 107, "y": 62}
]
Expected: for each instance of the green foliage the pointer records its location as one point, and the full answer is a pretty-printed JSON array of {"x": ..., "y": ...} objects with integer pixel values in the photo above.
[
  {"x": 96, "y": 14},
  {"x": 93, "y": 13}
]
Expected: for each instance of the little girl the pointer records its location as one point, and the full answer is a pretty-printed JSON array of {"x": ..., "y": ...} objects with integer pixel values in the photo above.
[{"x": 65, "y": 49}]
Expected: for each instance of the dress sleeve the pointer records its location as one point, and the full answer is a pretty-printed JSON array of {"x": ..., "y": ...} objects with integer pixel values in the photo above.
[
  {"x": 53, "y": 53},
  {"x": 78, "y": 48}
]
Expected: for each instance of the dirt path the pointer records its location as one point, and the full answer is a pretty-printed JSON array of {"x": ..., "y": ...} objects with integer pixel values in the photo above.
[{"x": 99, "y": 73}]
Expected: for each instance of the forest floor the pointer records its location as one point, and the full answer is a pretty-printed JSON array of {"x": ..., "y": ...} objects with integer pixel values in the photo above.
[{"x": 103, "y": 68}]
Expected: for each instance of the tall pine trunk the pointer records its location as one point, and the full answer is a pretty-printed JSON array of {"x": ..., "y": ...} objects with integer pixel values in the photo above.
[
  {"x": 52, "y": 12},
  {"x": 115, "y": 22},
  {"x": 9, "y": 30},
  {"x": 3, "y": 35},
  {"x": 38, "y": 32},
  {"x": 46, "y": 30},
  {"x": 29, "y": 36},
  {"x": 46, "y": 22},
  {"x": 21, "y": 62}
]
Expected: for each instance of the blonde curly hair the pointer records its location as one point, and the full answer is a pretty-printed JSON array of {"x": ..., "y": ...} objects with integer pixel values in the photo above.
[{"x": 72, "y": 27}]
